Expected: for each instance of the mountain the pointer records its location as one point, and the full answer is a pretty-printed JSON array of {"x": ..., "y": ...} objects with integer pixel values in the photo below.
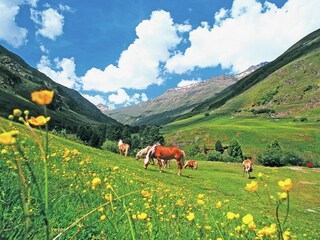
[
  {"x": 68, "y": 110},
  {"x": 304, "y": 73},
  {"x": 175, "y": 102}
]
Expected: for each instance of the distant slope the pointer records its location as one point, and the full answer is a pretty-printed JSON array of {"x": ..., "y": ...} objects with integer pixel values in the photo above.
[
  {"x": 307, "y": 45},
  {"x": 175, "y": 102},
  {"x": 69, "y": 109}
]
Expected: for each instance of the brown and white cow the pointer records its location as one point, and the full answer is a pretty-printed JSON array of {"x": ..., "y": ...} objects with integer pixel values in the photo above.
[
  {"x": 191, "y": 164},
  {"x": 247, "y": 167}
]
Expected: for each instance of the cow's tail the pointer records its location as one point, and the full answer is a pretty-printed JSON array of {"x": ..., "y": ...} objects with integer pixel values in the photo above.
[
  {"x": 183, "y": 157},
  {"x": 149, "y": 155}
]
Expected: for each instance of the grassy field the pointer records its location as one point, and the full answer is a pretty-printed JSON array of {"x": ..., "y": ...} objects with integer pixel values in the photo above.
[
  {"x": 253, "y": 133},
  {"x": 133, "y": 203}
]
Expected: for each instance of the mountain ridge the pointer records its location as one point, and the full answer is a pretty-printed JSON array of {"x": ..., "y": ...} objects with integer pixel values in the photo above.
[{"x": 175, "y": 101}]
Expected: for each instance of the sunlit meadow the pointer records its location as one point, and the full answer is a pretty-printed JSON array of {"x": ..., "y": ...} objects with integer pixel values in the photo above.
[{"x": 57, "y": 189}]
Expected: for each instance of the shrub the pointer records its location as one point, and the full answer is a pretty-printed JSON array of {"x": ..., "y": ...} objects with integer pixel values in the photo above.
[
  {"x": 275, "y": 156},
  {"x": 235, "y": 151},
  {"x": 194, "y": 150},
  {"x": 219, "y": 147},
  {"x": 110, "y": 146},
  {"x": 214, "y": 156}
]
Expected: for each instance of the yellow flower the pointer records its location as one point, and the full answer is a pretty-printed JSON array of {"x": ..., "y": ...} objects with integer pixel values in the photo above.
[
  {"x": 200, "y": 196},
  {"x": 96, "y": 181},
  {"x": 247, "y": 219},
  {"x": 180, "y": 203},
  {"x": 108, "y": 197},
  {"x": 8, "y": 138},
  {"x": 230, "y": 215},
  {"x": 4, "y": 151},
  {"x": 190, "y": 216},
  {"x": 145, "y": 193},
  {"x": 268, "y": 230},
  {"x": 103, "y": 217},
  {"x": 142, "y": 216},
  {"x": 218, "y": 204},
  {"x": 286, "y": 235},
  {"x": 285, "y": 185},
  {"x": 115, "y": 168},
  {"x": 134, "y": 216},
  {"x": 100, "y": 209},
  {"x": 208, "y": 228},
  {"x": 252, "y": 187},
  {"x": 252, "y": 225},
  {"x": 200, "y": 202},
  {"x": 283, "y": 195},
  {"x": 42, "y": 97},
  {"x": 39, "y": 121},
  {"x": 260, "y": 174},
  {"x": 17, "y": 112}
]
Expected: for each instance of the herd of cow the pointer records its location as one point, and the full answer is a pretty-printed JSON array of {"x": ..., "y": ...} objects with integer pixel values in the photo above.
[{"x": 165, "y": 154}]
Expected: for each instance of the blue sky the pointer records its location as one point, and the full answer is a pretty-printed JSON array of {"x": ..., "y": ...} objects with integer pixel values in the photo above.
[{"x": 121, "y": 53}]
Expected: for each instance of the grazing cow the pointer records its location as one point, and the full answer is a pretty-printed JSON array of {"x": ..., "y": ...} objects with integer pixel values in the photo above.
[
  {"x": 123, "y": 148},
  {"x": 191, "y": 164},
  {"x": 165, "y": 153},
  {"x": 143, "y": 153},
  {"x": 247, "y": 167}
]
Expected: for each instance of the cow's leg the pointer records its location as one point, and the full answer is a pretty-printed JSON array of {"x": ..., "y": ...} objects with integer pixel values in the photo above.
[
  {"x": 180, "y": 166},
  {"x": 160, "y": 164}
]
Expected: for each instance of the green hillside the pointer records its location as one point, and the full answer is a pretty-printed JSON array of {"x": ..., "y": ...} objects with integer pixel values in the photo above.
[
  {"x": 308, "y": 45},
  {"x": 69, "y": 108},
  {"x": 133, "y": 203}
]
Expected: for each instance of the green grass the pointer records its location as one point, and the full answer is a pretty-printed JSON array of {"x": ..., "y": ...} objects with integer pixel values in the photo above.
[
  {"x": 71, "y": 196},
  {"x": 253, "y": 133}
]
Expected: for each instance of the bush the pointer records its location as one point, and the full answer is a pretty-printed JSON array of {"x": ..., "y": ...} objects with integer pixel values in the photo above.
[
  {"x": 275, "y": 156},
  {"x": 110, "y": 146},
  {"x": 235, "y": 151},
  {"x": 194, "y": 150},
  {"x": 219, "y": 147},
  {"x": 214, "y": 156}
]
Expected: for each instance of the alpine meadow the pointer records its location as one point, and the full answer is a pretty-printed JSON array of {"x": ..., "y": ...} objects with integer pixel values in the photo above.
[{"x": 62, "y": 177}]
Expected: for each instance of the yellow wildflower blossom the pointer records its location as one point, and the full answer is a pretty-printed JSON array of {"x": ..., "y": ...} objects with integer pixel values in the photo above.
[
  {"x": 145, "y": 193},
  {"x": 247, "y": 219},
  {"x": 286, "y": 235},
  {"x": 103, "y": 217},
  {"x": 252, "y": 187},
  {"x": 230, "y": 215},
  {"x": 200, "y": 202},
  {"x": 283, "y": 195},
  {"x": 108, "y": 197},
  {"x": 200, "y": 196},
  {"x": 218, "y": 204},
  {"x": 142, "y": 216},
  {"x": 96, "y": 181},
  {"x": 42, "y": 97},
  {"x": 190, "y": 216},
  {"x": 208, "y": 228},
  {"x": 39, "y": 121},
  {"x": 285, "y": 185},
  {"x": 8, "y": 138}
]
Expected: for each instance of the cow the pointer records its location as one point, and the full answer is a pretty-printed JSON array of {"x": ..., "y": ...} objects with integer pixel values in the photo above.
[{"x": 247, "y": 167}]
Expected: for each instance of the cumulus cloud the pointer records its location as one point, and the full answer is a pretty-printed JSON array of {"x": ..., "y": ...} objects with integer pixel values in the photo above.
[
  {"x": 140, "y": 64},
  {"x": 62, "y": 71},
  {"x": 249, "y": 33},
  {"x": 10, "y": 32},
  {"x": 96, "y": 99},
  {"x": 184, "y": 83},
  {"x": 50, "y": 22},
  {"x": 121, "y": 97}
]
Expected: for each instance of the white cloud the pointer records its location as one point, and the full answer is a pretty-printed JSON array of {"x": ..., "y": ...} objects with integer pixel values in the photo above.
[
  {"x": 50, "y": 21},
  {"x": 9, "y": 30},
  {"x": 121, "y": 97},
  {"x": 247, "y": 34},
  {"x": 62, "y": 72},
  {"x": 184, "y": 83},
  {"x": 139, "y": 65},
  {"x": 96, "y": 99}
]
